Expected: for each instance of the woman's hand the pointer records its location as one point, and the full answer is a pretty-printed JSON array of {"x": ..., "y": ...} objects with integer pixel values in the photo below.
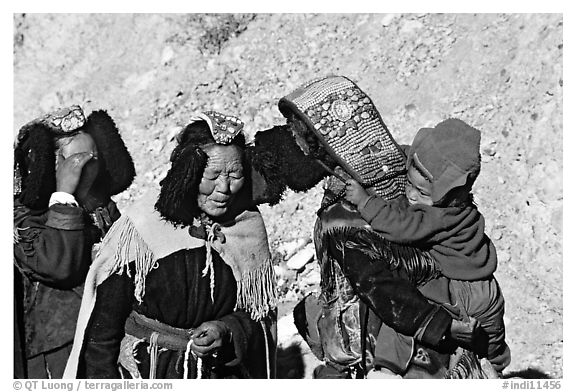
[
  {"x": 355, "y": 194},
  {"x": 69, "y": 171},
  {"x": 209, "y": 337}
]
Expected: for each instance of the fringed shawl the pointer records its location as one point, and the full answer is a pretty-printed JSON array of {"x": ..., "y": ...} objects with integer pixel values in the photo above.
[{"x": 142, "y": 237}]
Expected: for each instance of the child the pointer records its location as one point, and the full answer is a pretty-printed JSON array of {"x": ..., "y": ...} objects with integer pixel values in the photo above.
[{"x": 438, "y": 215}]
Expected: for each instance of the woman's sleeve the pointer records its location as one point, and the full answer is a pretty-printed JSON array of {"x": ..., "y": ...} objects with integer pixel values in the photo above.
[
  {"x": 105, "y": 329},
  {"x": 242, "y": 327},
  {"x": 52, "y": 247},
  {"x": 251, "y": 343}
]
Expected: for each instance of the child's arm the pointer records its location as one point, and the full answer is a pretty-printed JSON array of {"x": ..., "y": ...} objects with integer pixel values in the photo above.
[{"x": 398, "y": 222}]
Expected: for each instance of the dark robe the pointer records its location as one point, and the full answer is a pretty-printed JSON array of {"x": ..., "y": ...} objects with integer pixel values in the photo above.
[
  {"x": 177, "y": 295},
  {"x": 52, "y": 254}
]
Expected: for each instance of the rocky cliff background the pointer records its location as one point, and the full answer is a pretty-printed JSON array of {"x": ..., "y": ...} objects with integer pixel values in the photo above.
[{"x": 502, "y": 73}]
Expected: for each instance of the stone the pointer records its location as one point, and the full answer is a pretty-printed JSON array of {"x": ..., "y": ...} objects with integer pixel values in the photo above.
[
  {"x": 139, "y": 82},
  {"x": 149, "y": 177},
  {"x": 387, "y": 19},
  {"x": 170, "y": 133},
  {"x": 287, "y": 332},
  {"x": 157, "y": 145},
  {"x": 290, "y": 296},
  {"x": 490, "y": 149},
  {"x": 556, "y": 219},
  {"x": 496, "y": 235},
  {"x": 503, "y": 256},
  {"x": 311, "y": 279},
  {"x": 411, "y": 25},
  {"x": 288, "y": 249},
  {"x": 280, "y": 271},
  {"x": 167, "y": 55},
  {"x": 300, "y": 259}
]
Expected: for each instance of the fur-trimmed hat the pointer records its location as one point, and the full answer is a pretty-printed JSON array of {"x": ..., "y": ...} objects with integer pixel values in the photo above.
[
  {"x": 448, "y": 155},
  {"x": 179, "y": 189},
  {"x": 35, "y": 154}
]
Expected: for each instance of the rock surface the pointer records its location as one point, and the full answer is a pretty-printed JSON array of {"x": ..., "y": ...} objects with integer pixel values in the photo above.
[{"x": 502, "y": 73}]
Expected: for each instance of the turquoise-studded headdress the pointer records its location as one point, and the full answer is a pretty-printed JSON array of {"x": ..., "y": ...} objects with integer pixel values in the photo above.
[
  {"x": 224, "y": 128},
  {"x": 350, "y": 128}
]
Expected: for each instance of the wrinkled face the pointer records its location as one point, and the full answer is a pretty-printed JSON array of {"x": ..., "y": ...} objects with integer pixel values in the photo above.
[
  {"x": 418, "y": 188},
  {"x": 222, "y": 179}
]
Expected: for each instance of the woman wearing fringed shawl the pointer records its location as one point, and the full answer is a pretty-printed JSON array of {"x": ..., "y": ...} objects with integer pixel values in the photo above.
[{"x": 183, "y": 286}]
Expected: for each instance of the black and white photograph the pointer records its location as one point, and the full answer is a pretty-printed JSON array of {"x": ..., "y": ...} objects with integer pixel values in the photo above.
[{"x": 287, "y": 195}]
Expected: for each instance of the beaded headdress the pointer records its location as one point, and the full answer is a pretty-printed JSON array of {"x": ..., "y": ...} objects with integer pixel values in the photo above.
[
  {"x": 347, "y": 123},
  {"x": 224, "y": 128},
  {"x": 61, "y": 122}
]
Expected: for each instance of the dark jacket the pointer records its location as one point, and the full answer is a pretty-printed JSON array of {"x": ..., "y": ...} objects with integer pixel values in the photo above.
[{"x": 52, "y": 254}]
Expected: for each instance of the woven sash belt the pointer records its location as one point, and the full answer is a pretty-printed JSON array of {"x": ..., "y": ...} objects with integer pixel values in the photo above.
[
  {"x": 158, "y": 334},
  {"x": 169, "y": 337}
]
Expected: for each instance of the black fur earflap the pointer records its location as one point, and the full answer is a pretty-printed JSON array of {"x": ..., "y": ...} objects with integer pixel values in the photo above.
[
  {"x": 35, "y": 165},
  {"x": 117, "y": 168},
  {"x": 179, "y": 189},
  {"x": 277, "y": 157}
]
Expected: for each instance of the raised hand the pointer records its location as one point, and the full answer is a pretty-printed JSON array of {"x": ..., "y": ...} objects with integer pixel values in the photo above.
[{"x": 69, "y": 171}]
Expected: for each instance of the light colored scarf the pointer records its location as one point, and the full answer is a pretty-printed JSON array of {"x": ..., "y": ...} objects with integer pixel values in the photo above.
[{"x": 142, "y": 237}]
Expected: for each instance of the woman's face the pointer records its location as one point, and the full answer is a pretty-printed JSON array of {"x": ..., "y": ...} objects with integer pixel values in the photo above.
[{"x": 222, "y": 179}]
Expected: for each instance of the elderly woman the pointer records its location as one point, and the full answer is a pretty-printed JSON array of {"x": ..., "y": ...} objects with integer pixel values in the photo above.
[
  {"x": 66, "y": 169},
  {"x": 183, "y": 286}
]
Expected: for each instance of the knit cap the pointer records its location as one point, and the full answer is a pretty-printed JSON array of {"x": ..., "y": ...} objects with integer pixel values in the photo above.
[{"x": 448, "y": 154}]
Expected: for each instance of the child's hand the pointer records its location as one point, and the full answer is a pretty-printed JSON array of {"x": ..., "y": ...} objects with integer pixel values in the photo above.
[{"x": 355, "y": 194}]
